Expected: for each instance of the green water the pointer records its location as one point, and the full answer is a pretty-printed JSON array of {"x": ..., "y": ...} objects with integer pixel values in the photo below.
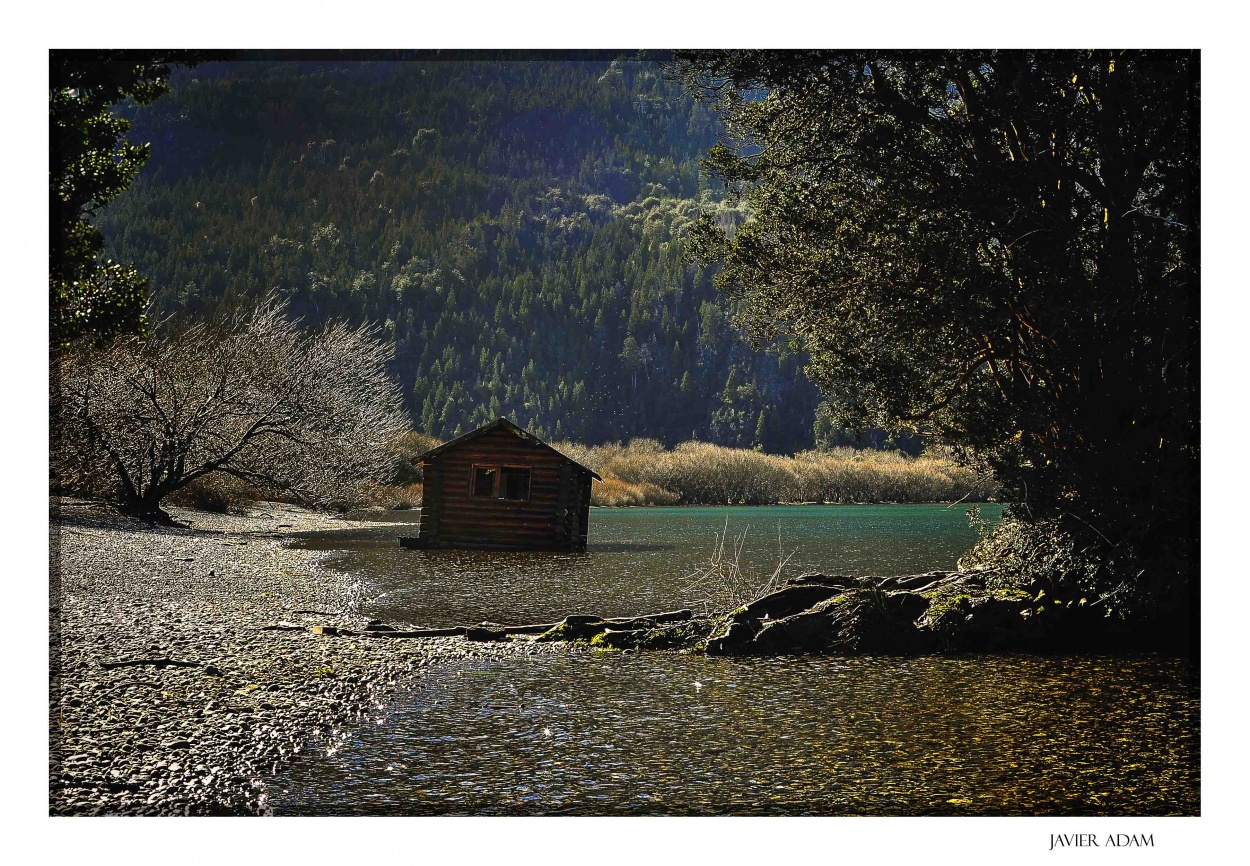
[
  {"x": 588, "y": 733},
  {"x": 639, "y": 560}
]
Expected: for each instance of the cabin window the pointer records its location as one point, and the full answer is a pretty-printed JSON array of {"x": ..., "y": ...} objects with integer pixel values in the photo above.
[
  {"x": 516, "y": 483},
  {"x": 484, "y": 480}
]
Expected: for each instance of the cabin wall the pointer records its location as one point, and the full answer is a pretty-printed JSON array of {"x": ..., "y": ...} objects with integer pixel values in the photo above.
[
  {"x": 551, "y": 518},
  {"x": 431, "y": 501}
]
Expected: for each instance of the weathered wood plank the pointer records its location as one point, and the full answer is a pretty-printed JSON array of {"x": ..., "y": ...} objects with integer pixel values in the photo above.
[{"x": 551, "y": 517}]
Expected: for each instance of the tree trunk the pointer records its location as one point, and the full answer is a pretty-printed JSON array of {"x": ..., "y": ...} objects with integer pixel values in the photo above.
[{"x": 147, "y": 509}]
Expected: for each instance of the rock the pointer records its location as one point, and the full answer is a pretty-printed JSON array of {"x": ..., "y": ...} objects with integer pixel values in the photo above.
[
  {"x": 619, "y": 639},
  {"x": 907, "y": 606},
  {"x": 785, "y": 602},
  {"x": 794, "y": 606},
  {"x": 851, "y": 622},
  {"x": 574, "y": 627},
  {"x": 963, "y": 618},
  {"x": 837, "y": 580},
  {"x": 807, "y": 631},
  {"x": 484, "y": 634},
  {"x": 735, "y": 640}
]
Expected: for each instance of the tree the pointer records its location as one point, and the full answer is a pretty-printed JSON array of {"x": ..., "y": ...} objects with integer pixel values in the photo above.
[
  {"x": 260, "y": 177},
  {"x": 996, "y": 247},
  {"x": 91, "y": 164},
  {"x": 255, "y": 398}
]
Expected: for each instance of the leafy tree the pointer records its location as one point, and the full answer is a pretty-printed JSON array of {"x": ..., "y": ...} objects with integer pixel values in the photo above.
[
  {"x": 996, "y": 247},
  {"x": 91, "y": 163}
]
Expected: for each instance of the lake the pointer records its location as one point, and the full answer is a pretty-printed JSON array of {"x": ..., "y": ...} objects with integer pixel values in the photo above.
[
  {"x": 590, "y": 733},
  {"x": 638, "y": 560}
]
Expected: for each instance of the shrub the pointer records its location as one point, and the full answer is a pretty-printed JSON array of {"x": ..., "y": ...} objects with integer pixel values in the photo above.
[
  {"x": 706, "y": 474},
  {"x": 406, "y": 449},
  {"x": 218, "y": 493},
  {"x": 614, "y": 491},
  {"x": 721, "y": 582}
]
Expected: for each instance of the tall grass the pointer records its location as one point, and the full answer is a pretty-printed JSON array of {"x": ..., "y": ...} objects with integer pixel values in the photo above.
[
  {"x": 614, "y": 491},
  {"x": 700, "y": 473},
  {"x": 722, "y": 583},
  {"x": 644, "y": 472}
]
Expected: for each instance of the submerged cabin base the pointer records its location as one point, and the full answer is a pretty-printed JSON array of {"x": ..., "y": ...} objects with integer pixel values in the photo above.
[
  {"x": 502, "y": 488},
  {"x": 416, "y": 542}
]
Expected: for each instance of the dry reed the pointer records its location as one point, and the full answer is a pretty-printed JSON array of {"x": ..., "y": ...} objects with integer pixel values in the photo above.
[
  {"x": 723, "y": 585},
  {"x": 700, "y": 473}
]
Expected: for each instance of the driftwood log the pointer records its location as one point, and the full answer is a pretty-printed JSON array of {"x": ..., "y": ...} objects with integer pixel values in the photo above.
[{"x": 488, "y": 631}]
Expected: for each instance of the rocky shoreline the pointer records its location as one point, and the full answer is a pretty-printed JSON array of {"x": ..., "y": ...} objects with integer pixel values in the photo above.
[
  {"x": 934, "y": 612},
  {"x": 190, "y": 664}
]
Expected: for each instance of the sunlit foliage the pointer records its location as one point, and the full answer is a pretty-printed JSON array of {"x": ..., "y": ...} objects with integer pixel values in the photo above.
[{"x": 91, "y": 163}]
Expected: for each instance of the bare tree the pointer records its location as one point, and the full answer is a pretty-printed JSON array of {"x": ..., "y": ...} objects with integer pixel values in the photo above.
[{"x": 256, "y": 397}]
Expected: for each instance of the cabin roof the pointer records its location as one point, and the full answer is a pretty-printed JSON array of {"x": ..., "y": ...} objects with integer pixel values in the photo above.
[{"x": 504, "y": 424}]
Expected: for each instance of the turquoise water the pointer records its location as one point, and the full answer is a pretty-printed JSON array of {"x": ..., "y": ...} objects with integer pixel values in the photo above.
[{"x": 640, "y": 560}]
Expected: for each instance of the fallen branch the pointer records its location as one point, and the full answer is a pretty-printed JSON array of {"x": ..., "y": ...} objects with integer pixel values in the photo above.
[
  {"x": 536, "y": 628},
  {"x": 457, "y": 631},
  {"x": 667, "y": 616}
]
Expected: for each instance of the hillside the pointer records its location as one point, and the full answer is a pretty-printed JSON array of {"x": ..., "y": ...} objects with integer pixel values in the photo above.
[{"x": 516, "y": 227}]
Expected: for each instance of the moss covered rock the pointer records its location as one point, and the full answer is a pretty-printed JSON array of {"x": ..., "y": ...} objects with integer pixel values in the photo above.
[{"x": 574, "y": 627}]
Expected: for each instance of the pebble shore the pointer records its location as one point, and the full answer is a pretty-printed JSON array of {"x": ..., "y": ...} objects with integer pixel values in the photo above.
[{"x": 232, "y": 703}]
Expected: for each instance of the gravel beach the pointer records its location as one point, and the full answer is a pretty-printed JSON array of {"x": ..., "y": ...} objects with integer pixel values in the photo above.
[{"x": 216, "y": 703}]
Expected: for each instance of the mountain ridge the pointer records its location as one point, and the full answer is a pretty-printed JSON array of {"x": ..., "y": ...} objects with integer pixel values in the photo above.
[{"x": 516, "y": 227}]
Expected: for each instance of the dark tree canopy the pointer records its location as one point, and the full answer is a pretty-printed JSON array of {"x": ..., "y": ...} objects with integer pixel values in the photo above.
[
  {"x": 90, "y": 164},
  {"x": 998, "y": 247}
]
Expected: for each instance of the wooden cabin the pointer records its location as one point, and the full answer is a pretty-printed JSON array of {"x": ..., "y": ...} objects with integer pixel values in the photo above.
[{"x": 502, "y": 488}]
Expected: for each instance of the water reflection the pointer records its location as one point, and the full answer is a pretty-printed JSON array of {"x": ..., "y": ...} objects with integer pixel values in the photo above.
[{"x": 607, "y": 547}]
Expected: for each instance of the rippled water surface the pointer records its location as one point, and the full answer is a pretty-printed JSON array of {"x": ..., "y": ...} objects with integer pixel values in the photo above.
[
  {"x": 664, "y": 733},
  {"x": 633, "y": 734},
  {"x": 638, "y": 559}
]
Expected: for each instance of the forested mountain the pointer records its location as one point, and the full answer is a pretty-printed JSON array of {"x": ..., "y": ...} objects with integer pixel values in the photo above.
[{"x": 517, "y": 227}]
